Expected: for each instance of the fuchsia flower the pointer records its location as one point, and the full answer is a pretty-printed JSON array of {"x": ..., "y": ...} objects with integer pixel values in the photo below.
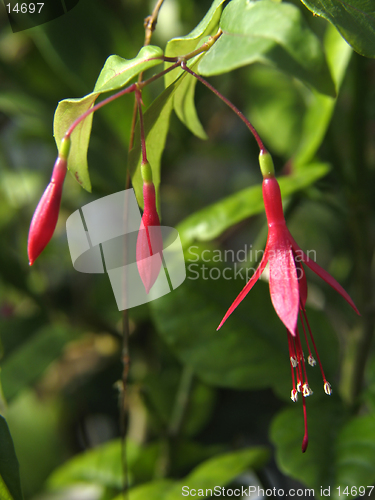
[
  {"x": 288, "y": 286},
  {"x": 149, "y": 240}
]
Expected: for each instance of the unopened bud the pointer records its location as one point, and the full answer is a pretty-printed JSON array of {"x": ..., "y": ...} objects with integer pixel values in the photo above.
[
  {"x": 149, "y": 242},
  {"x": 46, "y": 213}
]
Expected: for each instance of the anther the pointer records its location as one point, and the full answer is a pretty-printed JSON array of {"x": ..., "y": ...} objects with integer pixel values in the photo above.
[
  {"x": 327, "y": 388},
  {"x": 294, "y": 395},
  {"x": 311, "y": 360},
  {"x": 293, "y": 361},
  {"x": 306, "y": 391},
  {"x": 299, "y": 386}
]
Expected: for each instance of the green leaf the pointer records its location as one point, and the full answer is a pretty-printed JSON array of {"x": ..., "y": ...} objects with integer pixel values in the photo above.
[
  {"x": 157, "y": 490},
  {"x": 183, "y": 45},
  {"x": 184, "y": 105},
  {"x": 101, "y": 466},
  {"x": 28, "y": 363},
  {"x": 276, "y": 107},
  {"x": 220, "y": 471},
  {"x": 184, "y": 96},
  {"x": 319, "y": 113},
  {"x": 116, "y": 73},
  {"x": 255, "y": 355},
  {"x": 355, "y": 454},
  {"x": 316, "y": 467},
  {"x": 210, "y": 222},
  {"x": 354, "y": 19},
  {"x": 10, "y": 484},
  {"x": 66, "y": 113},
  {"x": 156, "y": 125},
  {"x": 269, "y": 32},
  {"x": 341, "y": 451}
]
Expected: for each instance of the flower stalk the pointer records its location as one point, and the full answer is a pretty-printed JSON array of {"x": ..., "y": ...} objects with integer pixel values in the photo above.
[
  {"x": 288, "y": 287},
  {"x": 149, "y": 241}
]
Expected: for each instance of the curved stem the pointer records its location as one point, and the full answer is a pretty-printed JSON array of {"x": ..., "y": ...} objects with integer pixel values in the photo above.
[
  {"x": 109, "y": 99},
  {"x": 234, "y": 108}
]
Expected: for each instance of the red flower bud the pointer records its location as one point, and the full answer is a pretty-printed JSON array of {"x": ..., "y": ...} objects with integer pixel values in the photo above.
[
  {"x": 45, "y": 216},
  {"x": 149, "y": 241}
]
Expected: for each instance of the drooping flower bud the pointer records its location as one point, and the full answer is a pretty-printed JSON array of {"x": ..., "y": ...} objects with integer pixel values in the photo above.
[
  {"x": 149, "y": 242},
  {"x": 46, "y": 213}
]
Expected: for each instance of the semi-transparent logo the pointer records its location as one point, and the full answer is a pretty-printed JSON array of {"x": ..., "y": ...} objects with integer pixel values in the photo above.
[
  {"x": 25, "y": 15},
  {"x": 102, "y": 238}
]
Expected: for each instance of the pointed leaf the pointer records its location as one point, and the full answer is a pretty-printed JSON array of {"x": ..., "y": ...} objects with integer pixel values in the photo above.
[
  {"x": 101, "y": 465},
  {"x": 316, "y": 467},
  {"x": 341, "y": 451},
  {"x": 25, "y": 365},
  {"x": 220, "y": 471},
  {"x": 184, "y": 96},
  {"x": 183, "y": 45},
  {"x": 10, "y": 485},
  {"x": 184, "y": 105},
  {"x": 355, "y": 454},
  {"x": 255, "y": 356},
  {"x": 116, "y": 73},
  {"x": 269, "y": 32},
  {"x": 157, "y": 490},
  {"x": 354, "y": 19},
  {"x": 66, "y": 113},
  {"x": 320, "y": 109}
]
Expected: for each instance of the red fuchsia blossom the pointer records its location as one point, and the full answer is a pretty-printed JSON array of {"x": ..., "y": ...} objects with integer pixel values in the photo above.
[
  {"x": 288, "y": 286},
  {"x": 46, "y": 213},
  {"x": 149, "y": 241}
]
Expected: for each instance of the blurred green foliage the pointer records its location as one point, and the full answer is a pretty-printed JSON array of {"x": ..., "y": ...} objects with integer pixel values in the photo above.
[{"x": 201, "y": 402}]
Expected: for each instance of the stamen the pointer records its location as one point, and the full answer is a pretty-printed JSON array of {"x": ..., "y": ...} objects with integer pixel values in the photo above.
[
  {"x": 299, "y": 384},
  {"x": 294, "y": 395},
  {"x": 293, "y": 361},
  {"x": 300, "y": 356},
  {"x": 327, "y": 388},
  {"x": 305, "y": 334},
  {"x": 292, "y": 356},
  {"x": 306, "y": 391},
  {"x": 313, "y": 341},
  {"x": 311, "y": 360},
  {"x": 305, "y": 441}
]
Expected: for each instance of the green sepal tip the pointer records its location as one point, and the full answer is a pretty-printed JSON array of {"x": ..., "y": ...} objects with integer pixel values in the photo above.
[
  {"x": 146, "y": 172},
  {"x": 266, "y": 164},
  {"x": 65, "y": 148}
]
